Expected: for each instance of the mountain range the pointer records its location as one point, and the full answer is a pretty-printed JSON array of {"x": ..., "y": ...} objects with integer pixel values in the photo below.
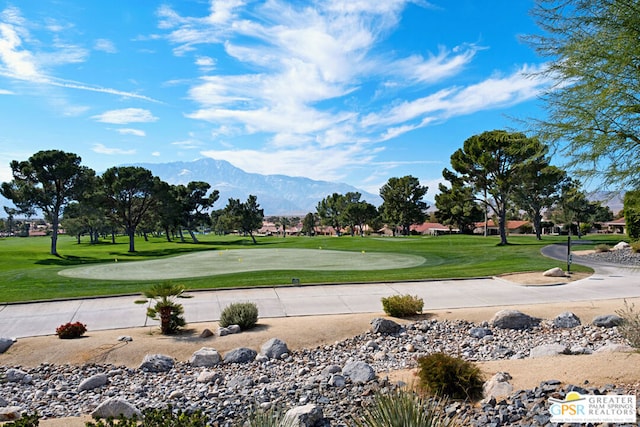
[{"x": 276, "y": 194}]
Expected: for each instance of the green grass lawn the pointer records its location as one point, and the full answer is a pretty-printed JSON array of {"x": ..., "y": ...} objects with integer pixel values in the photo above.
[{"x": 28, "y": 272}]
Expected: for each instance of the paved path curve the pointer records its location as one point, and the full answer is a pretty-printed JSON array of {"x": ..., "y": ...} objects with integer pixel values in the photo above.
[{"x": 41, "y": 318}]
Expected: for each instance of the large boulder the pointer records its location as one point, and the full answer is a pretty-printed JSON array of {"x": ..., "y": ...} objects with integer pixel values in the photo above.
[
  {"x": 546, "y": 350},
  {"x": 206, "y": 357},
  {"x": 359, "y": 372},
  {"x": 497, "y": 386},
  {"x": 157, "y": 363},
  {"x": 607, "y": 320},
  {"x": 10, "y": 413},
  {"x": 303, "y": 416},
  {"x": 94, "y": 381},
  {"x": 274, "y": 348},
  {"x": 566, "y": 320},
  {"x": 620, "y": 246},
  {"x": 5, "y": 343},
  {"x": 115, "y": 407},
  {"x": 383, "y": 326},
  {"x": 15, "y": 375},
  {"x": 513, "y": 319},
  {"x": 554, "y": 272},
  {"x": 240, "y": 355}
]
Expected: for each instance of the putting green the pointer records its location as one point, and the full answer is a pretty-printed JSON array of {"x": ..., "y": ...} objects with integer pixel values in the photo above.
[{"x": 211, "y": 263}]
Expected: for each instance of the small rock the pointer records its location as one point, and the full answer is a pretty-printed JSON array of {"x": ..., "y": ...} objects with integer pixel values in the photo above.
[
  {"x": 615, "y": 348},
  {"x": 125, "y": 338},
  {"x": 206, "y": 333},
  {"x": 480, "y": 332},
  {"x": 497, "y": 386},
  {"x": 223, "y": 332}
]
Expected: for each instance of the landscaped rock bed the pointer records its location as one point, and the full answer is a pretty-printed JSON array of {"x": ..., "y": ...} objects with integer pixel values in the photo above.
[{"x": 336, "y": 379}]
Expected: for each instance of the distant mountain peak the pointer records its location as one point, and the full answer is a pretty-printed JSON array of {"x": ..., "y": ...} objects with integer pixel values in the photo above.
[{"x": 277, "y": 194}]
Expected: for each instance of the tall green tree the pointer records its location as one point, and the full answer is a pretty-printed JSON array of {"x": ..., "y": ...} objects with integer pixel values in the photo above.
[
  {"x": 128, "y": 194},
  {"x": 631, "y": 212},
  {"x": 456, "y": 205},
  {"x": 331, "y": 211},
  {"x": 195, "y": 201},
  {"x": 48, "y": 181},
  {"x": 492, "y": 164},
  {"x": 247, "y": 217},
  {"x": 309, "y": 223},
  {"x": 539, "y": 189},
  {"x": 593, "y": 110},
  {"x": 403, "y": 203}
]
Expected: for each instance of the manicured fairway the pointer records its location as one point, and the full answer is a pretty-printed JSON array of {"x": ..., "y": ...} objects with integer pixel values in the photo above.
[{"x": 211, "y": 263}]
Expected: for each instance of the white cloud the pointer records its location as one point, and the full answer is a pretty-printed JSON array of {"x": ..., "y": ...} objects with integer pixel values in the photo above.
[
  {"x": 188, "y": 144},
  {"x": 129, "y": 131},
  {"x": 102, "y": 149},
  {"x": 105, "y": 45},
  {"x": 308, "y": 161},
  {"x": 126, "y": 115},
  {"x": 6, "y": 92}
]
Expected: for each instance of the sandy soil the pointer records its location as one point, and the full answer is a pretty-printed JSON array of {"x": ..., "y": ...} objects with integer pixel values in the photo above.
[{"x": 313, "y": 331}]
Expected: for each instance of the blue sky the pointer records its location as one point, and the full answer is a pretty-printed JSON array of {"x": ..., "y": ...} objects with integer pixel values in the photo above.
[{"x": 354, "y": 91}]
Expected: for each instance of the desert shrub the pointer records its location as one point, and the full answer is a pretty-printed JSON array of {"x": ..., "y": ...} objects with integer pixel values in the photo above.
[
  {"x": 603, "y": 247},
  {"x": 454, "y": 377},
  {"x": 243, "y": 314},
  {"x": 71, "y": 330},
  {"x": 168, "y": 417},
  {"x": 402, "y": 305},
  {"x": 402, "y": 408},
  {"x": 630, "y": 326},
  {"x": 635, "y": 246}
]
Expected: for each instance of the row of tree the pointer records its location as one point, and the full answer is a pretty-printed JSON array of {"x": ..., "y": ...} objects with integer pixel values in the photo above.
[{"x": 128, "y": 198}]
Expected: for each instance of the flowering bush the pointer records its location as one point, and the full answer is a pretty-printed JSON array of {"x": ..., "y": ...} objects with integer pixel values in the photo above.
[{"x": 71, "y": 330}]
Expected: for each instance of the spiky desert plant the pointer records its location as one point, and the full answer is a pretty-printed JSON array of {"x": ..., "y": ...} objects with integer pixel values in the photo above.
[
  {"x": 404, "y": 408},
  {"x": 444, "y": 375},
  {"x": 166, "y": 309},
  {"x": 630, "y": 326}
]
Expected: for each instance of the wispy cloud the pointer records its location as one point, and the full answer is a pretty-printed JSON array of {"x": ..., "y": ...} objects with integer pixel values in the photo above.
[
  {"x": 129, "y": 131},
  {"x": 21, "y": 62},
  {"x": 105, "y": 45},
  {"x": 126, "y": 115},
  {"x": 299, "y": 58},
  {"x": 102, "y": 149}
]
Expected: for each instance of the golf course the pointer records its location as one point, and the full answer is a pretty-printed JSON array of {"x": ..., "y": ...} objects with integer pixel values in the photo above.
[{"x": 28, "y": 272}]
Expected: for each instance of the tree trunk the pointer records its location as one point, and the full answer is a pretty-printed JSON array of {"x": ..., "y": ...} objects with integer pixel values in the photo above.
[
  {"x": 54, "y": 236},
  {"x": 131, "y": 232},
  {"x": 165, "y": 320},
  {"x": 166, "y": 232},
  {"x": 193, "y": 236},
  {"x": 255, "y": 242}
]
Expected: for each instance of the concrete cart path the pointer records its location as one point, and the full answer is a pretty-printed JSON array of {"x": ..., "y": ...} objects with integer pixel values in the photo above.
[{"x": 41, "y": 318}]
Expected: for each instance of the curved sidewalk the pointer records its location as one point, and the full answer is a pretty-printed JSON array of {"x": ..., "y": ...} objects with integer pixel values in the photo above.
[{"x": 41, "y": 318}]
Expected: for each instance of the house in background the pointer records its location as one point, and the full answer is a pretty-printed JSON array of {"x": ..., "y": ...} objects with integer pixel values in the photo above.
[
  {"x": 432, "y": 229},
  {"x": 513, "y": 227},
  {"x": 618, "y": 226}
]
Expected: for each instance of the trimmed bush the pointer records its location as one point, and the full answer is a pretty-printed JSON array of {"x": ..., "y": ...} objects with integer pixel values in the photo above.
[
  {"x": 243, "y": 314},
  {"x": 454, "y": 377},
  {"x": 402, "y": 305},
  {"x": 635, "y": 247},
  {"x": 603, "y": 247},
  {"x": 402, "y": 408},
  {"x": 71, "y": 330},
  {"x": 630, "y": 326}
]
